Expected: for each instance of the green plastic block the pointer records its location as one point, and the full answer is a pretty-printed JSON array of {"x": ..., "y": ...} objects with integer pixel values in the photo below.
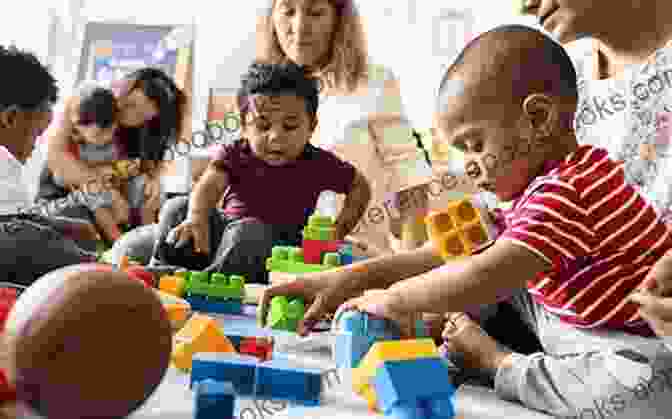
[
  {"x": 320, "y": 221},
  {"x": 332, "y": 259},
  {"x": 318, "y": 233},
  {"x": 222, "y": 287},
  {"x": 285, "y": 313},
  {"x": 276, "y": 265},
  {"x": 199, "y": 283},
  {"x": 295, "y": 255},
  {"x": 280, "y": 252}
]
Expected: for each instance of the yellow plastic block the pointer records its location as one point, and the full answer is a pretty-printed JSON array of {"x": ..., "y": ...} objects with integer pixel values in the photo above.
[
  {"x": 173, "y": 285},
  {"x": 457, "y": 231},
  {"x": 200, "y": 334},
  {"x": 390, "y": 350}
]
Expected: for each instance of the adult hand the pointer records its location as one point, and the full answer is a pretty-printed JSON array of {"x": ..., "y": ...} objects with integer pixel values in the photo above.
[
  {"x": 196, "y": 229},
  {"x": 325, "y": 291}
]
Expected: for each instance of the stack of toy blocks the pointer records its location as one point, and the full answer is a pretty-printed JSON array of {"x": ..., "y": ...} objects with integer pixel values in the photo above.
[
  {"x": 270, "y": 380},
  {"x": 458, "y": 231},
  {"x": 319, "y": 239},
  {"x": 290, "y": 260},
  {"x": 285, "y": 313},
  {"x": 406, "y": 379},
  {"x": 200, "y": 334},
  {"x": 213, "y": 293}
]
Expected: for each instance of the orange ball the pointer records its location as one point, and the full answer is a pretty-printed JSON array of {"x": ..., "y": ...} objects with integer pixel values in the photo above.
[{"x": 87, "y": 341}]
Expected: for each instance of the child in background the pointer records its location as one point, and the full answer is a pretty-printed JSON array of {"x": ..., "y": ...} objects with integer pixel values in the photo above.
[
  {"x": 110, "y": 200},
  {"x": 578, "y": 239},
  {"x": 270, "y": 179}
]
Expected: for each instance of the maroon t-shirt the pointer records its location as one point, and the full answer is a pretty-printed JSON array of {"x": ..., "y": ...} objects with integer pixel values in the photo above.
[{"x": 282, "y": 195}]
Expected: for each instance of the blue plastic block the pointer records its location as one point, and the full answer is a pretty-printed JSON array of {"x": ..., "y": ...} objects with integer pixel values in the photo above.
[
  {"x": 357, "y": 333},
  {"x": 198, "y": 303},
  {"x": 349, "y": 349},
  {"x": 407, "y": 382},
  {"x": 281, "y": 380},
  {"x": 234, "y": 368},
  {"x": 214, "y": 400},
  {"x": 223, "y": 306},
  {"x": 440, "y": 408},
  {"x": 408, "y": 411}
]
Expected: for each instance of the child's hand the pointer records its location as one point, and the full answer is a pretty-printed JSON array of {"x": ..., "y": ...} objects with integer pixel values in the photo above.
[
  {"x": 659, "y": 279},
  {"x": 195, "y": 229},
  {"x": 386, "y": 304}
]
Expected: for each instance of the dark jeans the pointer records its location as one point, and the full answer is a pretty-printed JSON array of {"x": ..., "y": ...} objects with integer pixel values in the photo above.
[
  {"x": 237, "y": 245},
  {"x": 31, "y": 246}
]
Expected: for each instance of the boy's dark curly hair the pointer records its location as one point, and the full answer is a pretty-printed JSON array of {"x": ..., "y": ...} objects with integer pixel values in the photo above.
[
  {"x": 97, "y": 105},
  {"x": 278, "y": 79},
  {"x": 26, "y": 82}
]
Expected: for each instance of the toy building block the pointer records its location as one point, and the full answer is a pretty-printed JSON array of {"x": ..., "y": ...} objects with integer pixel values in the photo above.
[
  {"x": 140, "y": 273},
  {"x": 285, "y": 313},
  {"x": 173, "y": 284},
  {"x": 200, "y": 334},
  {"x": 214, "y": 400},
  {"x": 216, "y": 293},
  {"x": 357, "y": 332},
  {"x": 345, "y": 252},
  {"x": 320, "y": 228},
  {"x": 459, "y": 230},
  {"x": 397, "y": 389},
  {"x": 237, "y": 369},
  {"x": 382, "y": 351},
  {"x": 223, "y": 287},
  {"x": 259, "y": 347},
  {"x": 198, "y": 284},
  {"x": 281, "y": 380},
  {"x": 290, "y": 260}
]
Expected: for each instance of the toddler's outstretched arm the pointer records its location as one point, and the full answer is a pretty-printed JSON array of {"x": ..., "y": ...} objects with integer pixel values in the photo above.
[
  {"x": 475, "y": 280},
  {"x": 354, "y": 207}
]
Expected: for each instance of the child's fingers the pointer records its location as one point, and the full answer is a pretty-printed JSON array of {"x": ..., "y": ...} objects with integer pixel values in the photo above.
[
  {"x": 652, "y": 306},
  {"x": 201, "y": 241}
]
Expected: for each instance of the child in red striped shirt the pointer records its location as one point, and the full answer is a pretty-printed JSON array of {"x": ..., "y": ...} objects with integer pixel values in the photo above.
[{"x": 578, "y": 238}]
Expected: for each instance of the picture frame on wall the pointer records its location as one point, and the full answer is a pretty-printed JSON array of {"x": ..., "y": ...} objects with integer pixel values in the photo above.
[{"x": 111, "y": 50}]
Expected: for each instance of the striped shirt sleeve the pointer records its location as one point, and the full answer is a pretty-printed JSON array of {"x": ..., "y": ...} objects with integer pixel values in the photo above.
[{"x": 551, "y": 223}]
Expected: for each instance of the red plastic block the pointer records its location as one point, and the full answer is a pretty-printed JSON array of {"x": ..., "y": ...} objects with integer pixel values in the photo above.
[
  {"x": 313, "y": 250},
  {"x": 258, "y": 347},
  {"x": 7, "y": 393},
  {"x": 138, "y": 272}
]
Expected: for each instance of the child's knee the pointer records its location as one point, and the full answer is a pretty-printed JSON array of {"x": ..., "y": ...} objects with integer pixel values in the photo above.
[{"x": 174, "y": 208}]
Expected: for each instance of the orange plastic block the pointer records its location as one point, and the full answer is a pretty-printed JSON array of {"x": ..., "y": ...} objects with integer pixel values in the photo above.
[
  {"x": 177, "y": 313},
  {"x": 457, "y": 231},
  {"x": 174, "y": 285},
  {"x": 390, "y": 350},
  {"x": 200, "y": 334}
]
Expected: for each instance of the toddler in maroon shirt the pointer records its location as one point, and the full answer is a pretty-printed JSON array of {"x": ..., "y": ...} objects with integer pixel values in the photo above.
[{"x": 269, "y": 179}]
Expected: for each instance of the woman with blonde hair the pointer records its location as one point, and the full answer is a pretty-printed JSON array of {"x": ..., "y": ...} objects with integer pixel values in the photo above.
[{"x": 361, "y": 116}]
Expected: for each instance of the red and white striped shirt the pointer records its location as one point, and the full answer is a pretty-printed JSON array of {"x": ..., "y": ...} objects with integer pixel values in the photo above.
[{"x": 600, "y": 235}]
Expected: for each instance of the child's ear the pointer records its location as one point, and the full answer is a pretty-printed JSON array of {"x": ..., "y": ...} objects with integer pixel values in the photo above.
[
  {"x": 9, "y": 117},
  {"x": 542, "y": 114}
]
